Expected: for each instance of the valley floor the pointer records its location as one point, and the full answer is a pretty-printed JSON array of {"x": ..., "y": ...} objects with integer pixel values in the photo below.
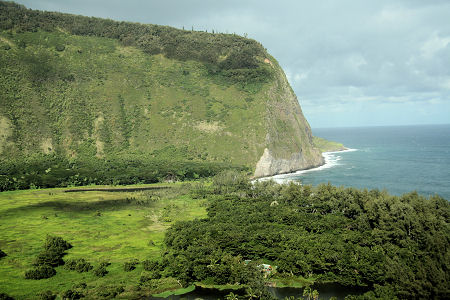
[{"x": 101, "y": 225}]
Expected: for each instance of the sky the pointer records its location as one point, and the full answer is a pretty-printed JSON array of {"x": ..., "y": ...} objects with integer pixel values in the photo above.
[{"x": 350, "y": 62}]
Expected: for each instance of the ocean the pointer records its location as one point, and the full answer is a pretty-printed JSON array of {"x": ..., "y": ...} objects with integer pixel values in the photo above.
[{"x": 399, "y": 159}]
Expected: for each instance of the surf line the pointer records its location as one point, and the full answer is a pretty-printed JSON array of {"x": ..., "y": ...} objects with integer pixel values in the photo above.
[{"x": 331, "y": 160}]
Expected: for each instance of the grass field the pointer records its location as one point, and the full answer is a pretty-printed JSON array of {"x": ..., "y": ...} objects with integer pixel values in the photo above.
[{"x": 101, "y": 226}]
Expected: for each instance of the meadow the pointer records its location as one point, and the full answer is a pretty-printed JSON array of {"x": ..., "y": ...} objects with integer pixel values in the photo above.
[{"x": 117, "y": 227}]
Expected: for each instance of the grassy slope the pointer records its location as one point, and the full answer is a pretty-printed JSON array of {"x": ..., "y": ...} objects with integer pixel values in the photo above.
[
  {"x": 97, "y": 97},
  {"x": 327, "y": 146},
  {"x": 122, "y": 232}
]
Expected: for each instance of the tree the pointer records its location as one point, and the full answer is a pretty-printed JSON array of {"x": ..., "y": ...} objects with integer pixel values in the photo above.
[{"x": 231, "y": 296}]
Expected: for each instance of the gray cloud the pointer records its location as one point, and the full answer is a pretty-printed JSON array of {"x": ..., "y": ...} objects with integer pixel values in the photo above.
[{"x": 338, "y": 55}]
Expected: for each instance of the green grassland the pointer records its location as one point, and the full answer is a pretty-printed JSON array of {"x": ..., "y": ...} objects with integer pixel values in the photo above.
[
  {"x": 102, "y": 226},
  {"x": 327, "y": 146}
]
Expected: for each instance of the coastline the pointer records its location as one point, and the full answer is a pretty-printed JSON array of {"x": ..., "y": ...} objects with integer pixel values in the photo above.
[{"x": 329, "y": 162}]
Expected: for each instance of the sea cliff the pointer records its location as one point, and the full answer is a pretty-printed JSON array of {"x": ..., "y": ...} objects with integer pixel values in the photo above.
[{"x": 85, "y": 88}]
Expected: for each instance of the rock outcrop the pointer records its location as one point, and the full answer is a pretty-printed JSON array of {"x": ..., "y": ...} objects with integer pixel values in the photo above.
[{"x": 289, "y": 143}]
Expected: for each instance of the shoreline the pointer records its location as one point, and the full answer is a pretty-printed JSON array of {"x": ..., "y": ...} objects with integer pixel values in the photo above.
[{"x": 283, "y": 177}]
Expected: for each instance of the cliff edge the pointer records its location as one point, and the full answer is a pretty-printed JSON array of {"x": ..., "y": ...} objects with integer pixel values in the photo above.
[
  {"x": 289, "y": 143},
  {"x": 88, "y": 89}
]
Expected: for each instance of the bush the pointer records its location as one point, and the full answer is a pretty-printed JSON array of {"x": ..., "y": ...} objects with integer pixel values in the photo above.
[
  {"x": 60, "y": 48},
  {"x": 109, "y": 291},
  {"x": 72, "y": 294},
  {"x": 154, "y": 274},
  {"x": 130, "y": 265},
  {"x": 151, "y": 265},
  {"x": 4, "y": 296},
  {"x": 230, "y": 181},
  {"x": 40, "y": 272},
  {"x": 105, "y": 264},
  {"x": 100, "y": 271},
  {"x": 81, "y": 285},
  {"x": 46, "y": 295},
  {"x": 48, "y": 257},
  {"x": 80, "y": 265},
  {"x": 144, "y": 278},
  {"x": 83, "y": 266},
  {"x": 57, "y": 244}
]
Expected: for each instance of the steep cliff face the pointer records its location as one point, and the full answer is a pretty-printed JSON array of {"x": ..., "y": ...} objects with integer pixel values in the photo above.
[
  {"x": 86, "y": 88},
  {"x": 289, "y": 144}
]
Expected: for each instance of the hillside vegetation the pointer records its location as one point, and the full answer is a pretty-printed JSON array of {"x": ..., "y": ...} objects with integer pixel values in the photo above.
[
  {"x": 86, "y": 89},
  {"x": 327, "y": 146},
  {"x": 134, "y": 244},
  {"x": 396, "y": 247}
]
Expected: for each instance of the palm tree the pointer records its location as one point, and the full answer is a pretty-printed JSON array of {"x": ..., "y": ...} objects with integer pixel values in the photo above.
[
  {"x": 231, "y": 296},
  {"x": 307, "y": 292},
  {"x": 251, "y": 294}
]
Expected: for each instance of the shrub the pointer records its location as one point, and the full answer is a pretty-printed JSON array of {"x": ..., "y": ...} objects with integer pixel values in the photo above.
[
  {"x": 80, "y": 265},
  {"x": 70, "y": 264},
  {"x": 151, "y": 265},
  {"x": 57, "y": 244},
  {"x": 109, "y": 291},
  {"x": 230, "y": 181},
  {"x": 81, "y": 285},
  {"x": 48, "y": 257},
  {"x": 72, "y": 294},
  {"x": 60, "y": 48},
  {"x": 4, "y": 296},
  {"x": 130, "y": 265},
  {"x": 54, "y": 248},
  {"x": 40, "y": 272},
  {"x": 144, "y": 278},
  {"x": 105, "y": 264},
  {"x": 154, "y": 274},
  {"x": 100, "y": 271},
  {"x": 46, "y": 295}
]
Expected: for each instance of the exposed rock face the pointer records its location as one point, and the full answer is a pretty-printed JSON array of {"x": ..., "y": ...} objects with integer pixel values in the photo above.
[
  {"x": 289, "y": 143},
  {"x": 268, "y": 165}
]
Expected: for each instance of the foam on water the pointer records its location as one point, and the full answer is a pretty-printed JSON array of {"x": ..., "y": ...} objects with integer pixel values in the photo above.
[{"x": 331, "y": 160}]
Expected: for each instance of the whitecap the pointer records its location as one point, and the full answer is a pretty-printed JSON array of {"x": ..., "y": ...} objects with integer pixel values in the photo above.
[{"x": 331, "y": 160}]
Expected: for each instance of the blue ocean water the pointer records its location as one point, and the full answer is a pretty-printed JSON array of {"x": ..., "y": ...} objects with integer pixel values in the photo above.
[{"x": 399, "y": 159}]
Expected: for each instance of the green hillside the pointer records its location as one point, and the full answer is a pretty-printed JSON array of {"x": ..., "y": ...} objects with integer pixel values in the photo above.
[
  {"x": 327, "y": 146},
  {"x": 88, "y": 90}
]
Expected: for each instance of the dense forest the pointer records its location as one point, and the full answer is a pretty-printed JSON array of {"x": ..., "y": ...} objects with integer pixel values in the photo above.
[
  {"x": 395, "y": 246},
  {"x": 49, "y": 171}
]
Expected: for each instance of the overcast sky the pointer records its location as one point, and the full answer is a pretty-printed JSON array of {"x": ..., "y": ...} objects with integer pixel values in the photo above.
[{"x": 350, "y": 62}]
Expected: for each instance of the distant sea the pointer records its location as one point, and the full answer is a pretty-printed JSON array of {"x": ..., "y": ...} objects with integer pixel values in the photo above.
[{"x": 399, "y": 159}]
